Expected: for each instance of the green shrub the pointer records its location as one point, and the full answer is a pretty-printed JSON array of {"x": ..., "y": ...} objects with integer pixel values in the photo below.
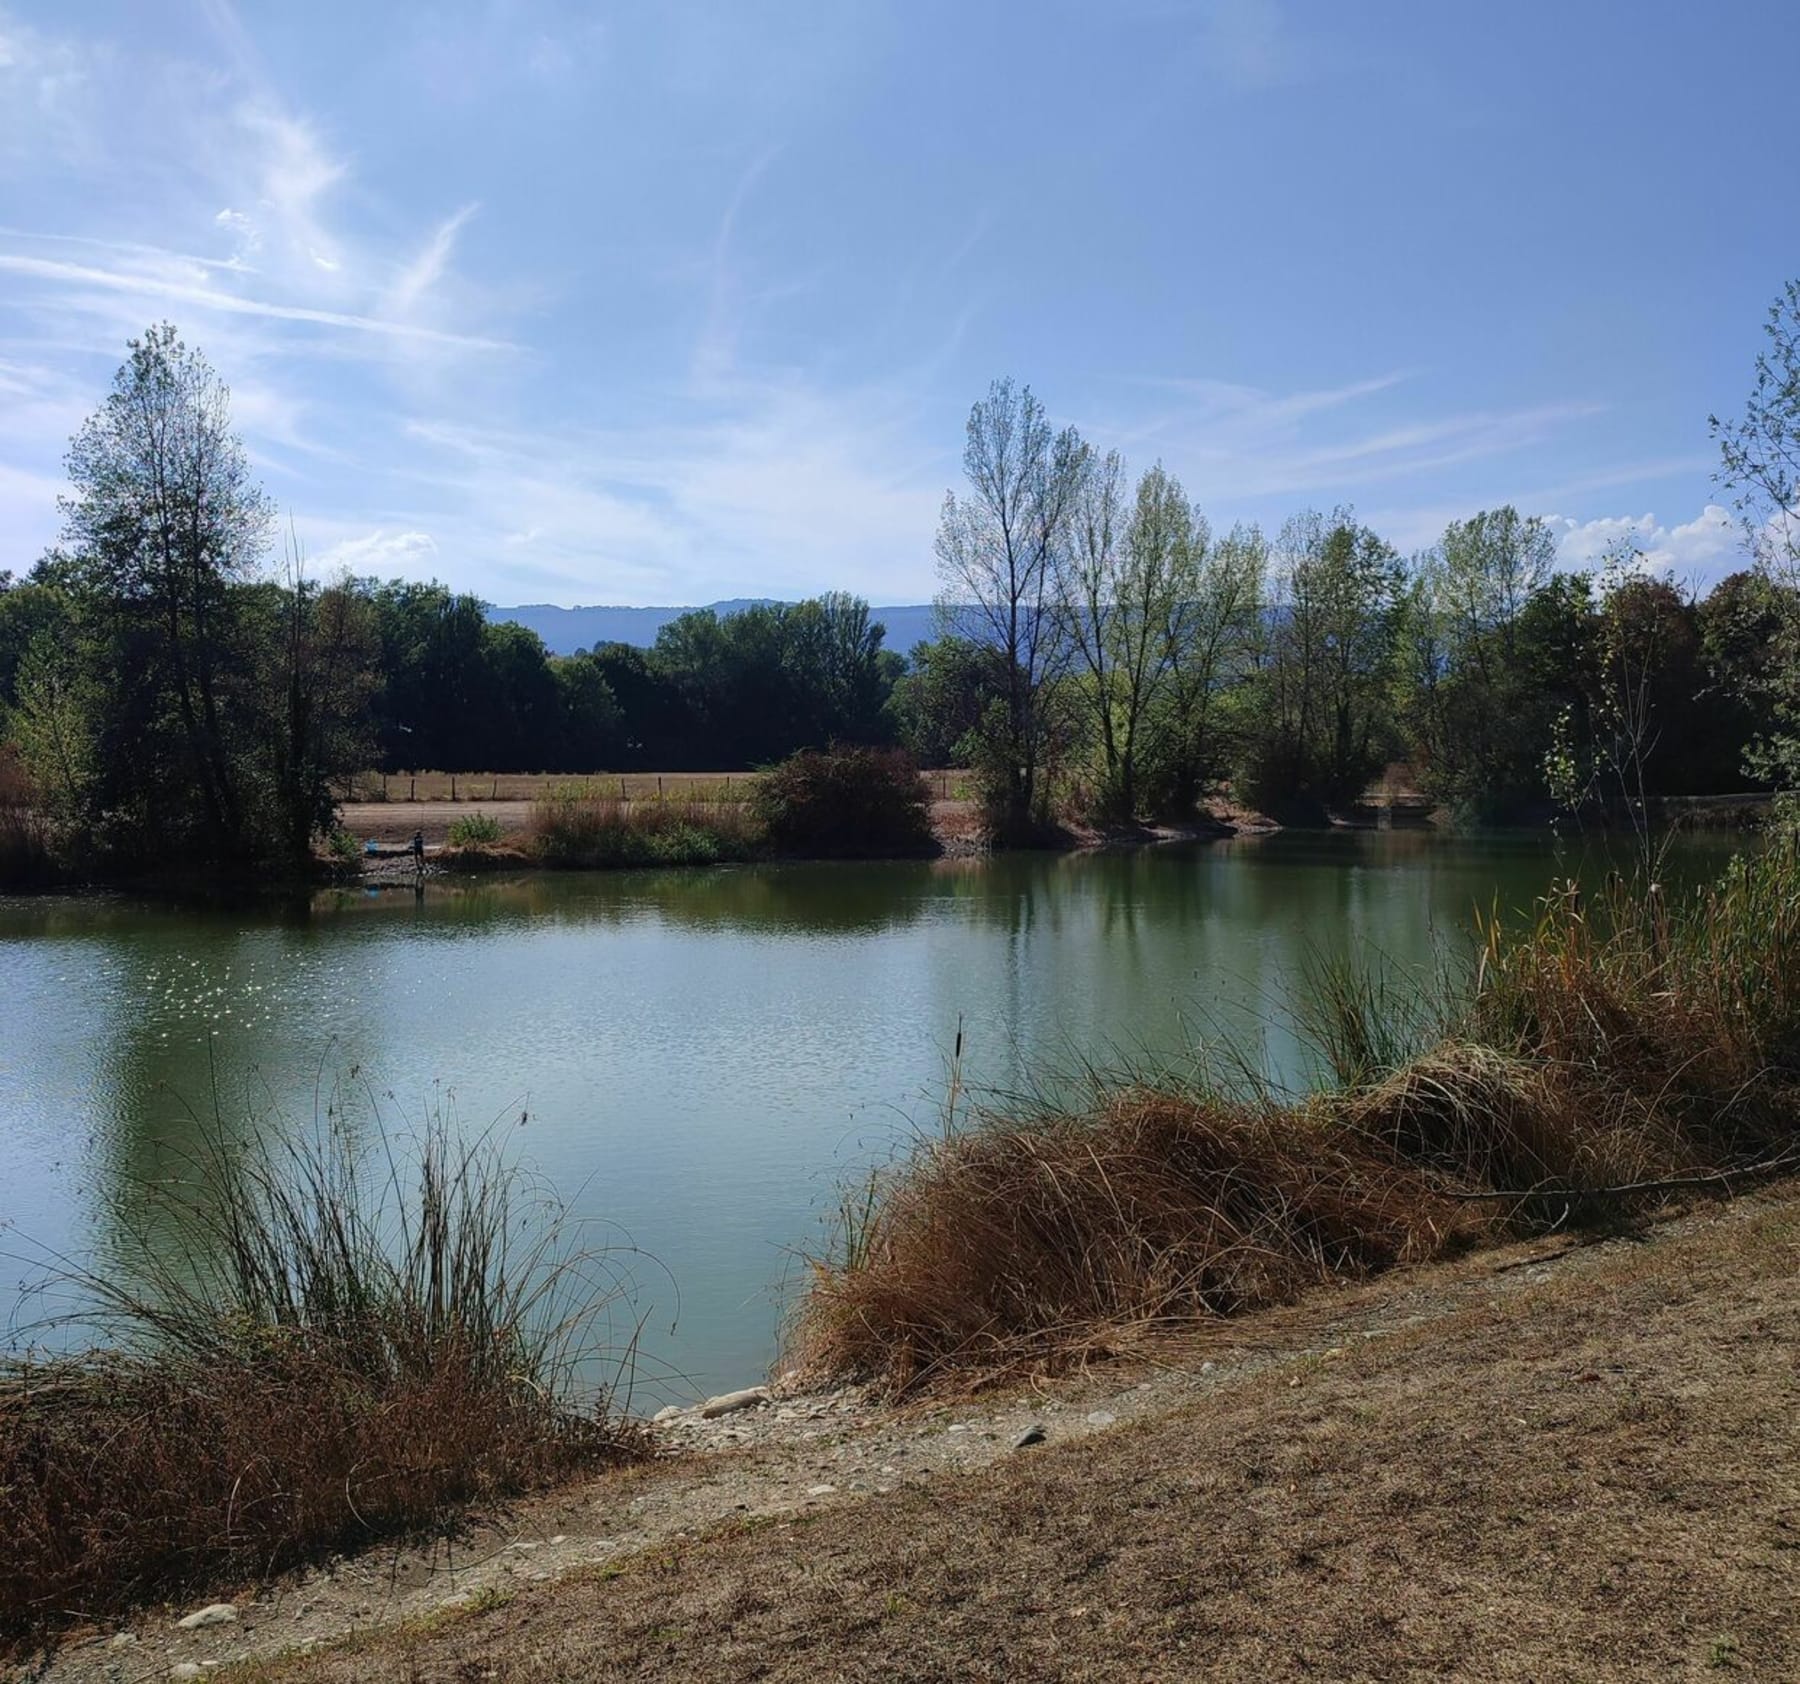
[
  {"x": 474, "y": 830},
  {"x": 343, "y": 847},
  {"x": 845, "y": 803}
]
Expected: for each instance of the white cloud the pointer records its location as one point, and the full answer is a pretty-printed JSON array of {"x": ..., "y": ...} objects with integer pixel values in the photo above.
[
  {"x": 782, "y": 488},
  {"x": 230, "y": 303},
  {"x": 290, "y": 174},
  {"x": 1235, "y": 442},
  {"x": 381, "y": 552},
  {"x": 1698, "y": 552},
  {"x": 427, "y": 269}
]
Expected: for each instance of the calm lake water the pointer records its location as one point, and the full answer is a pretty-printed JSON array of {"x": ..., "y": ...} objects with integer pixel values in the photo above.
[{"x": 699, "y": 1059}]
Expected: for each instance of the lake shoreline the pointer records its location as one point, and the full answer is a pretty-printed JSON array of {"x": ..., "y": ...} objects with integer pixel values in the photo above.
[
  {"x": 954, "y": 823},
  {"x": 776, "y": 1493}
]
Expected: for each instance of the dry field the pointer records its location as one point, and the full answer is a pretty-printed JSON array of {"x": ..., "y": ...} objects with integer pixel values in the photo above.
[
  {"x": 390, "y": 808},
  {"x": 1566, "y": 1461},
  {"x": 374, "y": 788}
]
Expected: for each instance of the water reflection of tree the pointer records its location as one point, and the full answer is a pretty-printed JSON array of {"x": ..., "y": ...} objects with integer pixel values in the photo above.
[{"x": 174, "y": 1090}]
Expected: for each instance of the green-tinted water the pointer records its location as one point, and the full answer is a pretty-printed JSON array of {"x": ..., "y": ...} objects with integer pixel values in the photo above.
[{"x": 698, "y": 1058}]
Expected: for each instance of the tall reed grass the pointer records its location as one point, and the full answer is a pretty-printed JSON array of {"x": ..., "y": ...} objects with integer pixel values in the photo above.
[
  {"x": 28, "y": 858},
  {"x": 1619, "y": 1049},
  {"x": 291, "y": 1352},
  {"x": 588, "y": 830}
]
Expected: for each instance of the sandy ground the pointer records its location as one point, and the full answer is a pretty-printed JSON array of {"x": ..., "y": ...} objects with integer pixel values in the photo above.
[
  {"x": 395, "y": 821},
  {"x": 1563, "y": 1460}
]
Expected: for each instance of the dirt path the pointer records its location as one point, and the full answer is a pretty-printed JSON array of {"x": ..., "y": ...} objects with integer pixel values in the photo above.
[
  {"x": 395, "y": 821},
  {"x": 1558, "y": 1461}
]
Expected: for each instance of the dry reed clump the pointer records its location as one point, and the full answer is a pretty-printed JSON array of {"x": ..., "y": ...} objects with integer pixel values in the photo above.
[
  {"x": 1019, "y": 1242},
  {"x": 297, "y": 1359},
  {"x": 1603, "y": 1055},
  {"x": 27, "y": 852},
  {"x": 1490, "y": 1119},
  {"x": 585, "y": 830},
  {"x": 127, "y": 1478}
]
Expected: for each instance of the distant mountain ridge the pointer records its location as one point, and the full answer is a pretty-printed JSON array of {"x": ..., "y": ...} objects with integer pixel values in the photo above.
[{"x": 564, "y": 630}]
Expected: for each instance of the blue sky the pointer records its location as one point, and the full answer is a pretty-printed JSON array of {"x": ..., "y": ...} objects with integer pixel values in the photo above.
[{"x": 662, "y": 302}]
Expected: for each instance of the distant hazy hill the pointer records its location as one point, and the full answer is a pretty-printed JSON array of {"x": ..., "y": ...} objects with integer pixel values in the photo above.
[{"x": 564, "y": 630}]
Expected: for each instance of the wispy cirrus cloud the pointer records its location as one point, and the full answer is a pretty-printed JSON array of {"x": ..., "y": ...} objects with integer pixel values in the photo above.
[
  {"x": 423, "y": 273},
  {"x": 166, "y": 290},
  {"x": 1234, "y": 442}
]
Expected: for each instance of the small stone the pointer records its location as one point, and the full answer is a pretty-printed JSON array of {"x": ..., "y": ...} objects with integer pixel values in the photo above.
[
  {"x": 1208, "y": 1366},
  {"x": 726, "y": 1403},
  {"x": 185, "y": 1669},
  {"x": 214, "y": 1614},
  {"x": 123, "y": 1640},
  {"x": 1034, "y": 1434},
  {"x": 560, "y": 1538},
  {"x": 820, "y": 1490},
  {"x": 1101, "y": 1418},
  {"x": 957, "y": 1427}
]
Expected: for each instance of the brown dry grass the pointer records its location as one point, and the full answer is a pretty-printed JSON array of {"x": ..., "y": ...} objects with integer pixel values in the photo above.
[
  {"x": 586, "y": 831},
  {"x": 403, "y": 787},
  {"x": 123, "y": 1478},
  {"x": 27, "y": 857},
  {"x": 1594, "y": 1478},
  {"x": 301, "y": 1352},
  {"x": 1031, "y": 1242},
  {"x": 1604, "y": 1050}
]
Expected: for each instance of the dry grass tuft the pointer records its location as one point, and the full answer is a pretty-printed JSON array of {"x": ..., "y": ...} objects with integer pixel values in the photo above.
[
  {"x": 585, "y": 830},
  {"x": 1017, "y": 1242},
  {"x": 27, "y": 855},
  {"x": 297, "y": 1358},
  {"x": 1492, "y": 1119}
]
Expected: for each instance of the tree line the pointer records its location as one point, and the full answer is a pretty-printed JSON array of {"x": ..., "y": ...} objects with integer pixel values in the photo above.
[
  {"x": 1114, "y": 649},
  {"x": 167, "y": 690}
]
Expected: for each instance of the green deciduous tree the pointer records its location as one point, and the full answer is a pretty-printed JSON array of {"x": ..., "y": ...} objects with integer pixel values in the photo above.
[
  {"x": 164, "y": 520},
  {"x": 1129, "y": 571},
  {"x": 1323, "y": 716},
  {"x": 1760, "y": 463},
  {"x": 999, "y": 548},
  {"x": 1217, "y": 630},
  {"x": 1476, "y": 716}
]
